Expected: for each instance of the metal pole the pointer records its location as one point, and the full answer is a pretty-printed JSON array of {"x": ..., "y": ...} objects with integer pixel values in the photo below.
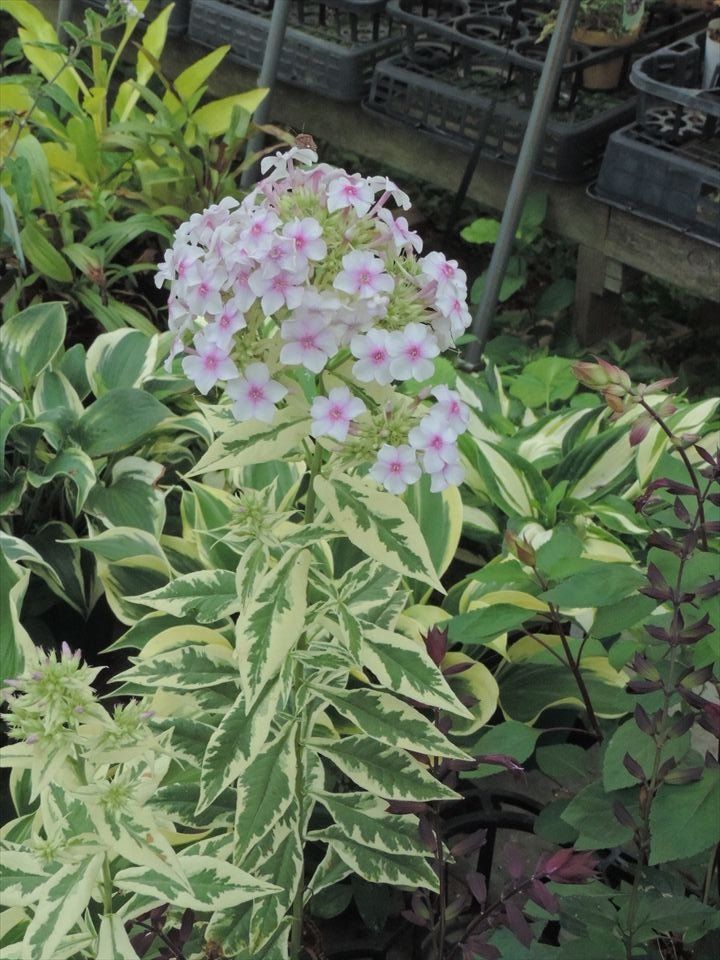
[
  {"x": 266, "y": 78},
  {"x": 522, "y": 176}
]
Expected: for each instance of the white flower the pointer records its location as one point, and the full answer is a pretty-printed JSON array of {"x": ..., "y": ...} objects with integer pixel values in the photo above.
[
  {"x": 255, "y": 394},
  {"x": 412, "y": 351},
  {"x": 331, "y": 415},
  {"x": 395, "y": 468},
  {"x": 373, "y": 356}
]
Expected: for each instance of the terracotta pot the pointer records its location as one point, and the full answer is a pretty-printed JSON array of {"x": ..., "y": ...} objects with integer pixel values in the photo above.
[{"x": 606, "y": 75}]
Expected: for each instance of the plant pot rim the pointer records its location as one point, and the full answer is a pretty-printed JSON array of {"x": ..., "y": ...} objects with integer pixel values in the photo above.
[{"x": 603, "y": 38}]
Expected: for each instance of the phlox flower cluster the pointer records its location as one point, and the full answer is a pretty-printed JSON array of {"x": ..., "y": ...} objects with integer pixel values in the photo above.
[{"x": 312, "y": 272}]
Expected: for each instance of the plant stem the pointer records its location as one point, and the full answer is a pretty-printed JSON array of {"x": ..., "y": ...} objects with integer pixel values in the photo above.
[
  {"x": 107, "y": 887},
  {"x": 709, "y": 872},
  {"x": 577, "y": 674},
  {"x": 686, "y": 461},
  {"x": 315, "y": 467}
]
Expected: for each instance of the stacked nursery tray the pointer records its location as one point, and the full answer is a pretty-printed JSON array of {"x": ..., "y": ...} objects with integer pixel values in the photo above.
[
  {"x": 331, "y": 46},
  {"x": 469, "y": 70},
  {"x": 666, "y": 165}
]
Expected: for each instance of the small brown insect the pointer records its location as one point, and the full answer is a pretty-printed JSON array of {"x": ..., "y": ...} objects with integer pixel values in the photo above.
[{"x": 305, "y": 142}]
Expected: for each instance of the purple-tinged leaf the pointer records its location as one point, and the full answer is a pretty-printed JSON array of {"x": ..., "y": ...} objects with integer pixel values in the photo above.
[
  {"x": 644, "y": 686},
  {"x": 542, "y": 897},
  {"x": 684, "y": 775},
  {"x": 501, "y": 760},
  {"x": 681, "y": 511},
  {"x": 513, "y": 861},
  {"x": 427, "y": 833},
  {"x": 469, "y": 844},
  {"x": 517, "y": 924},
  {"x": 663, "y": 542},
  {"x": 679, "y": 725},
  {"x": 633, "y": 768},
  {"x": 477, "y": 886},
  {"x": 623, "y": 815},
  {"x": 414, "y": 918},
  {"x": 407, "y": 806},
  {"x": 436, "y": 644},
  {"x": 642, "y": 719},
  {"x": 708, "y": 590},
  {"x": 456, "y": 668}
]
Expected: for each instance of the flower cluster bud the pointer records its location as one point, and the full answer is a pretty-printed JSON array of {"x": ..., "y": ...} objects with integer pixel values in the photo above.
[{"x": 313, "y": 272}]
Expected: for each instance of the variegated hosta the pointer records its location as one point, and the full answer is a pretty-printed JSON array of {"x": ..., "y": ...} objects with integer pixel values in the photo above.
[
  {"x": 94, "y": 851},
  {"x": 287, "y": 683}
]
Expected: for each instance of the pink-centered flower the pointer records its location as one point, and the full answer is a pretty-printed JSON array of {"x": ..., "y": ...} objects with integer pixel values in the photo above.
[
  {"x": 450, "y": 408},
  {"x": 373, "y": 356},
  {"x": 363, "y": 275},
  {"x": 208, "y": 364},
  {"x": 400, "y": 231},
  {"x": 412, "y": 351},
  {"x": 306, "y": 234},
  {"x": 225, "y": 325},
  {"x": 202, "y": 288},
  {"x": 396, "y": 467},
  {"x": 436, "y": 266},
  {"x": 255, "y": 394},
  {"x": 350, "y": 191},
  {"x": 276, "y": 290},
  {"x": 388, "y": 188},
  {"x": 258, "y": 235},
  {"x": 332, "y": 415},
  {"x": 451, "y": 475},
  {"x": 436, "y": 441},
  {"x": 308, "y": 341}
]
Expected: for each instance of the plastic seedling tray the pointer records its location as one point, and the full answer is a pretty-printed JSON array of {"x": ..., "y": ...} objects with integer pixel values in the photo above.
[{"x": 331, "y": 46}]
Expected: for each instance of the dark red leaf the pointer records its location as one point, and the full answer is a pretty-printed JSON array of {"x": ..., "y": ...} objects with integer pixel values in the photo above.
[
  {"x": 513, "y": 861},
  {"x": 477, "y": 886},
  {"x": 542, "y": 897},
  {"x": 469, "y": 844},
  {"x": 517, "y": 924}
]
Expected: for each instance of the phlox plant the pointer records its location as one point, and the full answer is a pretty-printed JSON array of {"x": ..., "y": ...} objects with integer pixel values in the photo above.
[
  {"x": 315, "y": 255},
  {"x": 286, "y": 705}
]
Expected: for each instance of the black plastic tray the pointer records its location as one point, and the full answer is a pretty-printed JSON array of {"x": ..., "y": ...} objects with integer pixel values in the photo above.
[
  {"x": 330, "y": 47},
  {"x": 670, "y": 178}
]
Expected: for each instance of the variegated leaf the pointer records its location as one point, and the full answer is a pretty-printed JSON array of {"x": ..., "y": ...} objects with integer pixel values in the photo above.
[
  {"x": 241, "y": 733},
  {"x": 330, "y": 870},
  {"x": 186, "y": 668},
  {"x": 383, "y": 771},
  {"x": 179, "y": 801},
  {"x": 379, "y": 524},
  {"x": 252, "y": 442},
  {"x": 381, "y": 868},
  {"x": 389, "y": 720},
  {"x": 206, "y": 595},
  {"x": 63, "y": 901},
  {"x": 403, "y": 666},
  {"x": 371, "y": 592},
  {"x": 264, "y": 791},
  {"x": 214, "y": 884},
  {"x": 23, "y": 876},
  {"x": 364, "y": 819},
  {"x": 252, "y": 566},
  {"x": 271, "y": 623},
  {"x": 113, "y": 941}
]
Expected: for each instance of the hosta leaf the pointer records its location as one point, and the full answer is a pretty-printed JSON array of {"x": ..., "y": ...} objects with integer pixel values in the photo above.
[
  {"x": 64, "y": 899},
  {"x": 254, "y": 442},
  {"x": 123, "y": 358},
  {"x": 185, "y": 668},
  {"x": 118, "y": 419},
  {"x": 364, "y": 820},
  {"x": 511, "y": 483},
  {"x": 215, "y": 885},
  {"x": 389, "y": 720},
  {"x": 79, "y": 469},
  {"x": 264, "y": 790},
  {"x": 379, "y": 524},
  {"x": 206, "y": 595},
  {"x": 383, "y": 771},
  {"x": 380, "y": 868},
  {"x": 404, "y": 667},
  {"x": 241, "y": 733},
  {"x": 271, "y": 623},
  {"x": 113, "y": 941},
  {"x": 30, "y": 340}
]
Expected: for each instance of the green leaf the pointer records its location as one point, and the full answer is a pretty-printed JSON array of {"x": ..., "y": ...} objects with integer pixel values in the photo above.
[
  {"x": 383, "y": 771},
  {"x": 236, "y": 741},
  {"x": 389, "y": 720},
  {"x": 511, "y": 482},
  {"x": 187, "y": 668},
  {"x": 113, "y": 941},
  {"x": 364, "y": 819},
  {"x": 566, "y": 763},
  {"x": 122, "y": 358},
  {"x": 63, "y": 902},
  {"x": 207, "y": 596},
  {"x": 29, "y": 341},
  {"x": 23, "y": 876},
  {"x": 694, "y": 806},
  {"x": 544, "y": 381},
  {"x": 555, "y": 298},
  {"x": 119, "y": 419},
  {"x": 591, "y": 813},
  {"x": 629, "y": 738},
  {"x": 403, "y": 666},
  {"x": 511, "y": 738},
  {"x": 602, "y": 587},
  {"x": 482, "y": 230},
  {"x": 271, "y": 622},
  {"x": 399, "y": 870},
  {"x": 529, "y": 689},
  {"x": 46, "y": 259},
  {"x": 379, "y": 524},
  {"x": 79, "y": 469},
  {"x": 215, "y": 885},
  {"x": 254, "y": 442}
]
